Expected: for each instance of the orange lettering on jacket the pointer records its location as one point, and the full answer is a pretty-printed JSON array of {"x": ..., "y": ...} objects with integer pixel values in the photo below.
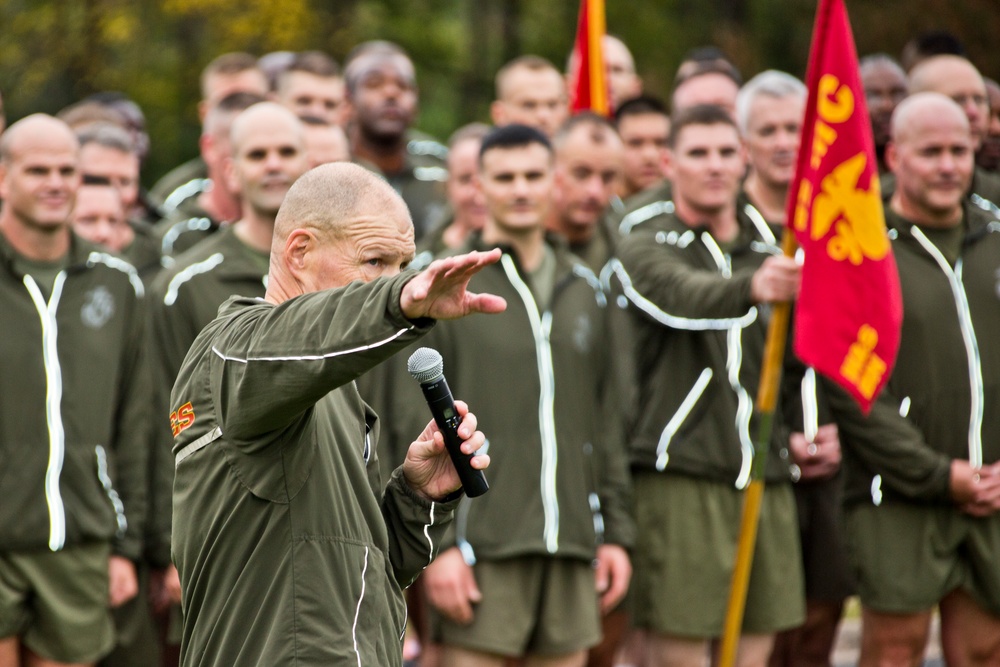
[{"x": 181, "y": 418}]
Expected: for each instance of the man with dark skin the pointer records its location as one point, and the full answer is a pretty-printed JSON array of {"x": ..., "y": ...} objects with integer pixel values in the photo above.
[
  {"x": 382, "y": 106},
  {"x": 884, "y": 82}
]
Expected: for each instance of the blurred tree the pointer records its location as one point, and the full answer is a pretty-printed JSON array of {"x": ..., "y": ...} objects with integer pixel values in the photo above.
[{"x": 53, "y": 52}]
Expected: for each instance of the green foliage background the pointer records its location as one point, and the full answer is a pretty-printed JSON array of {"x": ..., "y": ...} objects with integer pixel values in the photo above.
[{"x": 53, "y": 52}]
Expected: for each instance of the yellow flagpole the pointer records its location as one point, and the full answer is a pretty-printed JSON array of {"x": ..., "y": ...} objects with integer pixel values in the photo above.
[{"x": 767, "y": 400}]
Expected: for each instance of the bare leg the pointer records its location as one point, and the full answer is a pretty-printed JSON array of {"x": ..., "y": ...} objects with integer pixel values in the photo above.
[
  {"x": 753, "y": 650},
  {"x": 632, "y": 652},
  {"x": 893, "y": 640},
  {"x": 810, "y": 644},
  {"x": 576, "y": 659},
  {"x": 970, "y": 636},
  {"x": 614, "y": 627},
  {"x": 452, "y": 656},
  {"x": 667, "y": 651},
  {"x": 10, "y": 652},
  {"x": 31, "y": 659}
]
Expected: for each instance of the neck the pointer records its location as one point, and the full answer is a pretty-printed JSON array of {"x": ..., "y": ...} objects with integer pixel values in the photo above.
[
  {"x": 573, "y": 233},
  {"x": 768, "y": 198},
  {"x": 528, "y": 245},
  {"x": 220, "y": 205},
  {"x": 923, "y": 217},
  {"x": 721, "y": 223},
  {"x": 41, "y": 245},
  {"x": 255, "y": 230},
  {"x": 389, "y": 156},
  {"x": 456, "y": 233}
]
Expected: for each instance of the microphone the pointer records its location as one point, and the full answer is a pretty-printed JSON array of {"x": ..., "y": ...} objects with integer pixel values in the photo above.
[{"x": 427, "y": 367}]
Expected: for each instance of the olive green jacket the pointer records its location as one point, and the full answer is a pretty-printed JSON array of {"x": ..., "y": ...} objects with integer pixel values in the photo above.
[
  {"x": 288, "y": 551},
  {"x": 943, "y": 399},
  {"x": 74, "y": 405}
]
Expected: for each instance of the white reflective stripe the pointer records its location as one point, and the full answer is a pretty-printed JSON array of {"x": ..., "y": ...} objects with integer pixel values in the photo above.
[
  {"x": 904, "y": 407},
  {"x": 118, "y": 264},
  {"x": 313, "y": 357},
  {"x": 721, "y": 259},
  {"x": 197, "y": 445},
  {"x": 761, "y": 224},
  {"x": 675, "y": 321},
  {"x": 985, "y": 204},
  {"x": 109, "y": 489},
  {"x": 204, "y": 266},
  {"x": 427, "y": 534},
  {"x": 357, "y": 612},
  {"x": 193, "y": 187},
  {"x": 641, "y": 215},
  {"x": 541, "y": 328},
  {"x": 595, "y": 510},
  {"x": 461, "y": 524},
  {"x": 53, "y": 405},
  {"x": 744, "y": 409},
  {"x": 971, "y": 347},
  {"x": 595, "y": 283},
  {"x": 877, "y": 490},
  {"x": 175, "y": 231},
  {"x": 674, "y": 425},
  {"x": 810, "y": 405}
]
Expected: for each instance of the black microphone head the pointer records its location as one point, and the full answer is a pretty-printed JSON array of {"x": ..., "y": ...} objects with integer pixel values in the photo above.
[{"x": 425, "y": 365}]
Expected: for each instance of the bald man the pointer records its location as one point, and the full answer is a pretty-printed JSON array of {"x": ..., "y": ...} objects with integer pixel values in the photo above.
[
  {"x": 287, "y": 548},
  {"x": 957, "y": 78},
  {"x": 73, "y": 412},
  {"x": 192, "y": 214},
  {"x": 589, "y": 158},
  {"x": 530, "y": 91},
  {"x": 923, "y": 468}
]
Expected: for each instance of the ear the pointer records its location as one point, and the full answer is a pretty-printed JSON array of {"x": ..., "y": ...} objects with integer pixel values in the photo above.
[
  {"x": 667, "y": 166},
  {"x": 891, "y": 159},
  {"x": 298, "y": 248},
  {"x": 498, "y": 113},
  {"x": 230, "y": 176}
]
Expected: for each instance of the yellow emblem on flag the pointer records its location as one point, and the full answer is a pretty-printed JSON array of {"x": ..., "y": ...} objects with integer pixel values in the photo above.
[
  {"x": 858, "y": 233},
  {"x": 862, "y": 367}
]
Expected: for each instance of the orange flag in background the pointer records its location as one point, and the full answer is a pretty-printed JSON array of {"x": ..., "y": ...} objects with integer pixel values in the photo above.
[
  {"x": 849, "y": 309},
  {"x": 588, "y": 80}
]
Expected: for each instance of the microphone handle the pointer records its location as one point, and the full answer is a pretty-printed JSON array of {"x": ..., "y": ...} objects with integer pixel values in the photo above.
[{"x": 442, "y": 407}]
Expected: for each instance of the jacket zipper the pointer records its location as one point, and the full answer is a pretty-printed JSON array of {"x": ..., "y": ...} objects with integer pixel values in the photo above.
[
  {"x": 734, "y": 363},
  {"x": 971, "y": 346},
  {"x": 53, "y": 405},
  {"x": 541, "y": 327}
]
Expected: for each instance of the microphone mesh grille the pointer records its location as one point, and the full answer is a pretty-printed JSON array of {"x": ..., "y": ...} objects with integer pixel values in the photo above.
[{"x": 425, "y": 365}]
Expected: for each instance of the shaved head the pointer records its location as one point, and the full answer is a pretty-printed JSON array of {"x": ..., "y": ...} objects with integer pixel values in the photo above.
[
  {"x": 40, "y": 128},
  {"x": 912, "y": 114},
  {"x": 957, "y": 78},
  {"x": 328, "y": 198},
  {"x": 263, "y": 116}
]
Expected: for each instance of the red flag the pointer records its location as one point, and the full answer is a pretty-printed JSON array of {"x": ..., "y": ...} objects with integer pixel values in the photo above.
[
  {"x": 850, "y": 309},
  {"x": 588, "y": 81}
]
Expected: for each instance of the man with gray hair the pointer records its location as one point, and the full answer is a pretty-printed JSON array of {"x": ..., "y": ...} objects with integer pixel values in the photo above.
[
  {"x": 107, "y": 152},
  {"x": 769, "y": 111},
  {"x": 922, "y": 469}
]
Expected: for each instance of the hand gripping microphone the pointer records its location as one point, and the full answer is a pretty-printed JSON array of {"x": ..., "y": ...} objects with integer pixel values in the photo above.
[{"x": 427, "y": 367}]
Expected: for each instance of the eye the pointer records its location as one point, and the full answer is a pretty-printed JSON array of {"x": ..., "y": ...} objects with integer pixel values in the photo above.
[{"x": 374, "y": 262}]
